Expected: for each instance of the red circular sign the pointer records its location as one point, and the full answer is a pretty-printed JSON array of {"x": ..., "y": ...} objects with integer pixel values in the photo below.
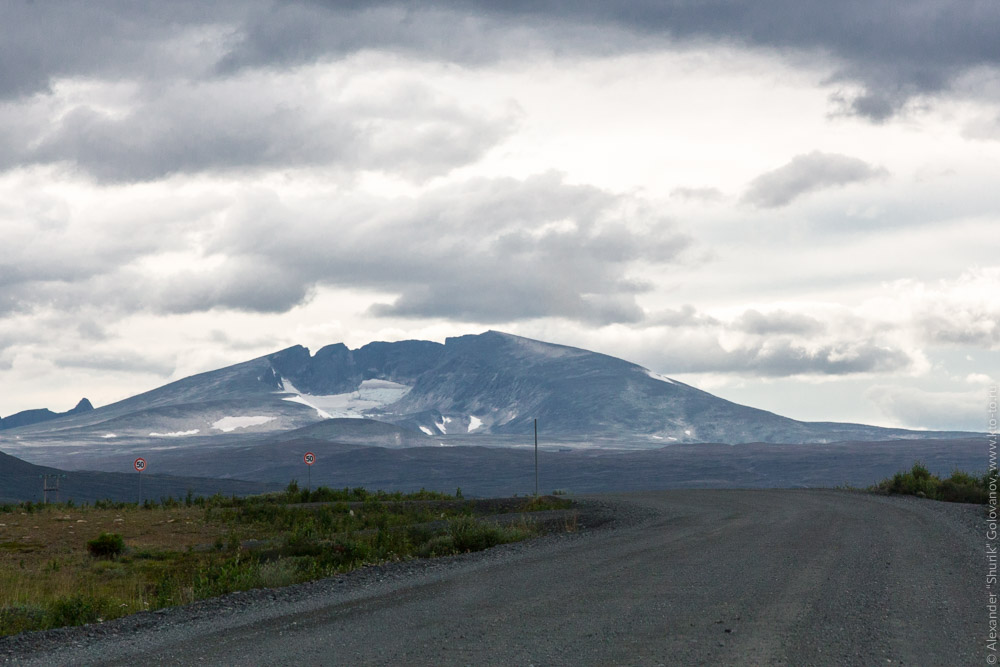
[
  {"x": 309, "y": 458},
  {"x": 140, "y": 464}
]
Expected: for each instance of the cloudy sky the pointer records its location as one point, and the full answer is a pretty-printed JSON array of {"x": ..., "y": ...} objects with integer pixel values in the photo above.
[{"x": 792, "y": 204}]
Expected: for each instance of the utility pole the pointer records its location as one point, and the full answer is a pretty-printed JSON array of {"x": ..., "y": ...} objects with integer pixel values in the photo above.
[
  {"x": 536, "y": 457},
  {"x": 50, "y": 483}
]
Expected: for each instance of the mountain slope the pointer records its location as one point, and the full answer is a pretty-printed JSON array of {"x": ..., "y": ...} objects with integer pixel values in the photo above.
[{"x": 477, "y": 389}]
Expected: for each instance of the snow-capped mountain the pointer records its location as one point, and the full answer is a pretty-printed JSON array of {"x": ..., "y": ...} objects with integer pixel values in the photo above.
[{"x": 476, "y": 389}]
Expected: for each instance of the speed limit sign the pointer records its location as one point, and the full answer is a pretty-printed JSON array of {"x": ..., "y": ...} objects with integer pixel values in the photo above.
[
  {"x": 309, "y": 458},
  {"x": 140, "y": 464}
]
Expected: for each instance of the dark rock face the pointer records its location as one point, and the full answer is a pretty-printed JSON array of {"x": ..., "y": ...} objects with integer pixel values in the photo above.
[
  {"x": 335, "y": 369},
  {"x": 28, "y": 417}
]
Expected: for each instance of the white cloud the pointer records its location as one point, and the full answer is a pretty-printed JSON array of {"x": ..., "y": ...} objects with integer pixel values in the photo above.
[
  {"x": 963, "y": 311},
  {"x": 935, "y": 410}
]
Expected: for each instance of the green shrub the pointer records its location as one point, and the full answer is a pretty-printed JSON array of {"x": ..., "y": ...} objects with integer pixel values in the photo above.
[
  {"x": 961, "y": 487},
  {"x": 467, "y": 534},
  {"x": 21, "y": 618},
  {"x": 278, "y": 573},
  {"x": 76, "y": 609},
  {"x": 351, "y": 552},
  {"x": 440, "y": 545},
  {"x": 233, "y": 574},
  {"x": 106, "y": 545}
]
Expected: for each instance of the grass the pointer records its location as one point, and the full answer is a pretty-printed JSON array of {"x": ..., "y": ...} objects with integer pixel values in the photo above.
[
  {"x": 960, "y": 487},
  {"x": 68, "y": 565}
]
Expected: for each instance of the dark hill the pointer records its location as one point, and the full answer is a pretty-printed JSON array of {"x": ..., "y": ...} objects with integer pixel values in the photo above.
[{"x": 37, "y": 416}]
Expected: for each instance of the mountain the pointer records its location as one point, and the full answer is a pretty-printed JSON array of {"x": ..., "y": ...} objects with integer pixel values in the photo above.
[
  {"x": 482, "y": 389},
  {"x": 28, "y": 417}
]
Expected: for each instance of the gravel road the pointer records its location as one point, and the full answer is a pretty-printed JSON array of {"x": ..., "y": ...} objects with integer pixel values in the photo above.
[{"x": 707, "y": 577}]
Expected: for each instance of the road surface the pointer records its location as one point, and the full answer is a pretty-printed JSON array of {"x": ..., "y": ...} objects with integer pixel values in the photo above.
[{"x": 707, "y": 577}]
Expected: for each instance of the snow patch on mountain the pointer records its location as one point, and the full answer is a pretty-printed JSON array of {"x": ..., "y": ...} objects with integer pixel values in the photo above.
[
  {"x": 661, "y": 378},
  {"x": 175, "y": 434},
  {"x": 443, "y": 424},
  {"x": 300, "y": 399},
  {"x": 426, "y": 430},
  {"x": 370, "y": 395},
  {"x": 228, "y": 424},
  {"x": 108, "y": 436},
  {"x": 474, "y": 423},
  {"x": 541, "y": 349}
]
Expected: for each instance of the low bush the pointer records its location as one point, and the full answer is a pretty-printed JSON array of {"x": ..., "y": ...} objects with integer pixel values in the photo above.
[
  {"x": 75, "y": 609},
  {"x": 233, "y": 574},
  {"x": 961, "y": 487},
  {"x": 441, "y": 545},
  {"x": 106, "y": 545},
  {"x": 468, "y": 534},
  {"x": 20, "y": 618}
]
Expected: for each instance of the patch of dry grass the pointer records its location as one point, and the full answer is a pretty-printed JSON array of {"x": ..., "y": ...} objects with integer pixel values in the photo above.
[
  {"x": 44, "y": 556},
  {"x": 177, "y": 553}
]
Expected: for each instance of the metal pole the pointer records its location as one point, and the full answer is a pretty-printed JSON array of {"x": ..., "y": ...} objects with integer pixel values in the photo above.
[
  {"x": 536, "y": 458},
  {"x": 140, "y": 487}
]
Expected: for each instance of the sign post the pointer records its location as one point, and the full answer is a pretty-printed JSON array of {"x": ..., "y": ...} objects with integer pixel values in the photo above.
[
  {"x": 310, "y": 459},
  {"x": 139, "y": 464},
  {"x": 536, "y": 458}
]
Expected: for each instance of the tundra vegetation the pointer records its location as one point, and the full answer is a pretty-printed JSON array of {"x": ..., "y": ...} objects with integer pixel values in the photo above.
[
  {"x": 961, "y": 487},
  {"x": 63, "y": 564}
]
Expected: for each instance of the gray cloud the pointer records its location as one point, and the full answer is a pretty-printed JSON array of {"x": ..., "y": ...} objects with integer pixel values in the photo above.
[
  {"x": 782, "y": 356},
  {"x": 978, "y": 327},
  {"x": 41, "y": 42},
  {"x": 487, "y": 250},
  {"x": 892, "y": 51},
  {"x": 808, "y": 173},
  {"x": 776, "y": 343},
  {"x": 118, "y": 361},
  {"x": 253, "y": 122},
  {"x": 246, "y": 283},
  {"x": 785, "y": 357},
  {"x": 778, "y": 322}
]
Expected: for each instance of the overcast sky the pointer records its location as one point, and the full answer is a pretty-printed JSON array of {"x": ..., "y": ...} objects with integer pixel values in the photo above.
[{"x": 794, "y": 204}]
